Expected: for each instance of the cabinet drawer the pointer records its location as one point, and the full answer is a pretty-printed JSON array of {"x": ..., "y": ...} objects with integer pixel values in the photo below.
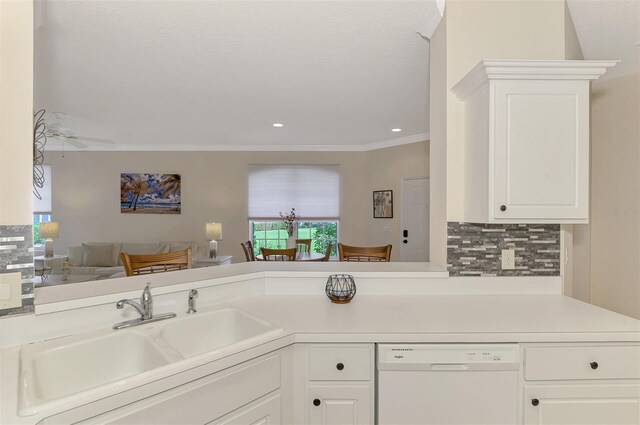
[
  {"x": 340, "y": 364},
  {"x": 557, "y": 363}
]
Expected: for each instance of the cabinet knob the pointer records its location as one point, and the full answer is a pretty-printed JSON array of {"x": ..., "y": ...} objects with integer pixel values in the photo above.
[
  {"x": 340, "y": 366},
  {"x": 316, "y": 402},
  {"x": 503, "y": 207},
  {"x": 594, "y": 365},
  {"x": 535, "y": 401}
]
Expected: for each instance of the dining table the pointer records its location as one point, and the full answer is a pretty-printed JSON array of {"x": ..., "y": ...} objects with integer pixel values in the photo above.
[{"x": 300, "y": 256}]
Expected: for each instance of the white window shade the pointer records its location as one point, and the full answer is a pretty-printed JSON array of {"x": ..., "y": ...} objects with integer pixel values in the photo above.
[
  {"x": 43, "y": 206},
  {"x": 313, "y": 190}
]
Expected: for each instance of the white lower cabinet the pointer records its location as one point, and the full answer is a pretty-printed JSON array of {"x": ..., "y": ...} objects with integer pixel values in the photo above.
[
  {"x": 348, "y": 404},
  {"x": 247, "y": 393},
  {"x": 595, "y": 404},
  {"x": 582, "y": 384},
  {"x": 266, "y": 411},
  {"x": 337, "y": 382}
]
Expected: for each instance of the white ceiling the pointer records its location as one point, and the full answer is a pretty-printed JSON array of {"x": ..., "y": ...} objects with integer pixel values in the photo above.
[
  {"x": 179, "y": 75},
  {"x": 609, "y": 29}
]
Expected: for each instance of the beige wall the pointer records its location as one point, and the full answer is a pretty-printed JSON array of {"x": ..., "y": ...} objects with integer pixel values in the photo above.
[
  {"x": 16, "y": 105},
  {"x": 479, "y": 29},
  {"x": 438, "y": 145},
  {"x": 615, "y": 194},
  {"x": 214, "y": 188},
  {"x": 387, "y": 167}
]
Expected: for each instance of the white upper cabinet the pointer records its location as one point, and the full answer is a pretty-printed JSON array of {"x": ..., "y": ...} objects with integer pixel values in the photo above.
[{"x": 526, "y": 140}]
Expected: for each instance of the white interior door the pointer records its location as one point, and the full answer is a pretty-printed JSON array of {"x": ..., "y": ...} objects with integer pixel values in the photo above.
[{"x": 414, "y": 217}]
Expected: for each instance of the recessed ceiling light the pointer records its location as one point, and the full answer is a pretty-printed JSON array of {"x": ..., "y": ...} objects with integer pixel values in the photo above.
[
  {"x": 396, "y": 130},
  {"x": 278, "y": 125}
]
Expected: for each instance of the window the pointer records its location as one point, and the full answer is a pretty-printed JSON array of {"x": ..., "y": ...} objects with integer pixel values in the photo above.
[
  {"x": 313, "y": 190},
  {"x": 272, "y": 234},
  {"x": 42, "y": 207}
]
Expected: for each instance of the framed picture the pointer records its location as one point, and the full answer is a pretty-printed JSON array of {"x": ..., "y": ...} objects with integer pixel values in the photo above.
[
  {"x": 383, "y": 204},
  {"x": 150, "y": 193}
]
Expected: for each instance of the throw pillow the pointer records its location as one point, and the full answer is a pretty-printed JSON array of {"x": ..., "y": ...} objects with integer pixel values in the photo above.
[
  {"x": 97, "y": 255},
  {"x": 75, "y": 254}
]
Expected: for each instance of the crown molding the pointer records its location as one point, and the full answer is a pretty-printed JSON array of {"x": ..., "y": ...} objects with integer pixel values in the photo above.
[
  {"x": 416, "y": 138},
  {"x": 490, "y": 69}
]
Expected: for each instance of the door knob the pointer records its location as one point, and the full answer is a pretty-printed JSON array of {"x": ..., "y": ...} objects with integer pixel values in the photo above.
[
  {"x": 316, "y": 402},
  {"x": 535, "y": 401},
  {"x": 503, "y": 207},
  {"x": 340, "y": 366},
  {"x": 594, "y": 365}
]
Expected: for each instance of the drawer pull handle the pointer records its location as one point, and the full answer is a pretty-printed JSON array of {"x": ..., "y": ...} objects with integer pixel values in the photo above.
[
  {"x": 503, "y": 207},
  {"x": 594, "y": 365},
  {"x": 316, "y": 402},
  {"x": 340, "y": 366},
  {"x": 535, "y": 401}
]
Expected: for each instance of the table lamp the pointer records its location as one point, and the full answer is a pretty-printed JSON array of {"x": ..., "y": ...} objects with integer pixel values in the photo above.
[
  {"x": 214, "y": 234},
  {"x": 48, "y": 231}
]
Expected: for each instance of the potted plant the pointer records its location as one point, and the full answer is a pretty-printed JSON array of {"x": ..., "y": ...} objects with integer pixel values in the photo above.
[{"x": 291, "y": 227}]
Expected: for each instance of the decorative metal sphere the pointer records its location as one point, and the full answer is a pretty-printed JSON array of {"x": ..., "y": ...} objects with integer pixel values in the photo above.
[{"x": 341, "y": 288}]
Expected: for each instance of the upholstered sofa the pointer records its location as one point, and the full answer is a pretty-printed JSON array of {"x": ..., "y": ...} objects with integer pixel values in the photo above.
[{"x": 102, "y": 259}]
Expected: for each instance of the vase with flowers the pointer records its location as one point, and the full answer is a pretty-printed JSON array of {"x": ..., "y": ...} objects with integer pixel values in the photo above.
[{"x": 290, "y": 226}]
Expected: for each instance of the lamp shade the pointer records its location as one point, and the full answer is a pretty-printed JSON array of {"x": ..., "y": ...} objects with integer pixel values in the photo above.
[
  {"x": 214, "y": 231},
  {"x": 49, "y": 230}
]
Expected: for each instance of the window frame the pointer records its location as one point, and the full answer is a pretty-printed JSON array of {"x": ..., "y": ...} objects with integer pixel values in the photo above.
[{"x": 281, "y": 240}]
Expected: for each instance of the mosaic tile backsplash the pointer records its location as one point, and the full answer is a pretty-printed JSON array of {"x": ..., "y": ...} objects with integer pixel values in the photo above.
[
  {"x": 16, "y": 255},
  {"x": 476, "y": 249}
]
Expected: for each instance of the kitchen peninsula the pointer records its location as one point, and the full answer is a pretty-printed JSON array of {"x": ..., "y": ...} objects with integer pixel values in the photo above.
[{"x": 281, "y": 350}]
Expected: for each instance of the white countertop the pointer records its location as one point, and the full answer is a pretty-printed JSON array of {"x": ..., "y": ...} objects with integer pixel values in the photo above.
[
  {"x": 462, "y": 318},
  {"x": 474, "y": 310}
]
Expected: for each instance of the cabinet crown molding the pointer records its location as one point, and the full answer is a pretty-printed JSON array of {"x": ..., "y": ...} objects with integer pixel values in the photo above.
[{"x": 490, "y": 69}]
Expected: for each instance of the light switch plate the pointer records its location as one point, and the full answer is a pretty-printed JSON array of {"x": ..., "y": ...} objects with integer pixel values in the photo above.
[
  {"x": 10, "y": 290},
  {"x": 508, "y": 259}
]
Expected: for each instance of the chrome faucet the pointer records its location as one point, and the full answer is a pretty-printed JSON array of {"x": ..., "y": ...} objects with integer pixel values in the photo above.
[
  {"x": 192, "y": 301},
  {"x": 144, "y": 308}
]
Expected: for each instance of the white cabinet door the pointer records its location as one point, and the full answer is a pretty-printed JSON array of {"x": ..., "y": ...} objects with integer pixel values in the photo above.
[
  {"x": 340, "y": 404},
  {"x": 263, "y": 412},
  {"x": 541, "y": 151},
  {"x": 202, "y": 401},
  {"x": 582, "y": 404}
]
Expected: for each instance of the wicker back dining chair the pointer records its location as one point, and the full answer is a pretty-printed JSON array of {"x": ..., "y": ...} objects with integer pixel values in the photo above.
[
  {"x": 364, "y": 253},
  {"x": 288, "y": 254},
  {"x": 139, "y": 264},
  {"x": 247, "y": 247}
]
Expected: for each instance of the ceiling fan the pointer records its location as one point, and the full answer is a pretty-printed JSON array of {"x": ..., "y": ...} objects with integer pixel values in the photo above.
[{"x": 57, "y": 130}]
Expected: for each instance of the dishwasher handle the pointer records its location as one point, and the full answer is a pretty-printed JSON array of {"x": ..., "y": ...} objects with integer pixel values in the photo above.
[{"x": 449, "y": 366}]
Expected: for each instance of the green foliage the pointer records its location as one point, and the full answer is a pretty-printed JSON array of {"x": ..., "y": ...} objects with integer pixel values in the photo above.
[
  {"x": 323, "y": 235},
  {"x": 274, "y": 235},
  {"x": 37, "y": 240}
]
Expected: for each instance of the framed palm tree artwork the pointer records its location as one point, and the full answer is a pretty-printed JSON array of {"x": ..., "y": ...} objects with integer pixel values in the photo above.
[{"x": 142, "y": 193}]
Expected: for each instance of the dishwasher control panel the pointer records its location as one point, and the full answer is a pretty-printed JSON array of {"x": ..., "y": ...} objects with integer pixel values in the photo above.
[{"x": 448, "y": 357}]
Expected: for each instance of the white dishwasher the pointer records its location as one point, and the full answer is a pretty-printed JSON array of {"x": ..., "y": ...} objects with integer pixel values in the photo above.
[{"x": 448, "y": 384}]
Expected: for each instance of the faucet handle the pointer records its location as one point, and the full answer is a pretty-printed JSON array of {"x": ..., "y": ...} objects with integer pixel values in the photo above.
[{"x": 192, "y": 301}]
